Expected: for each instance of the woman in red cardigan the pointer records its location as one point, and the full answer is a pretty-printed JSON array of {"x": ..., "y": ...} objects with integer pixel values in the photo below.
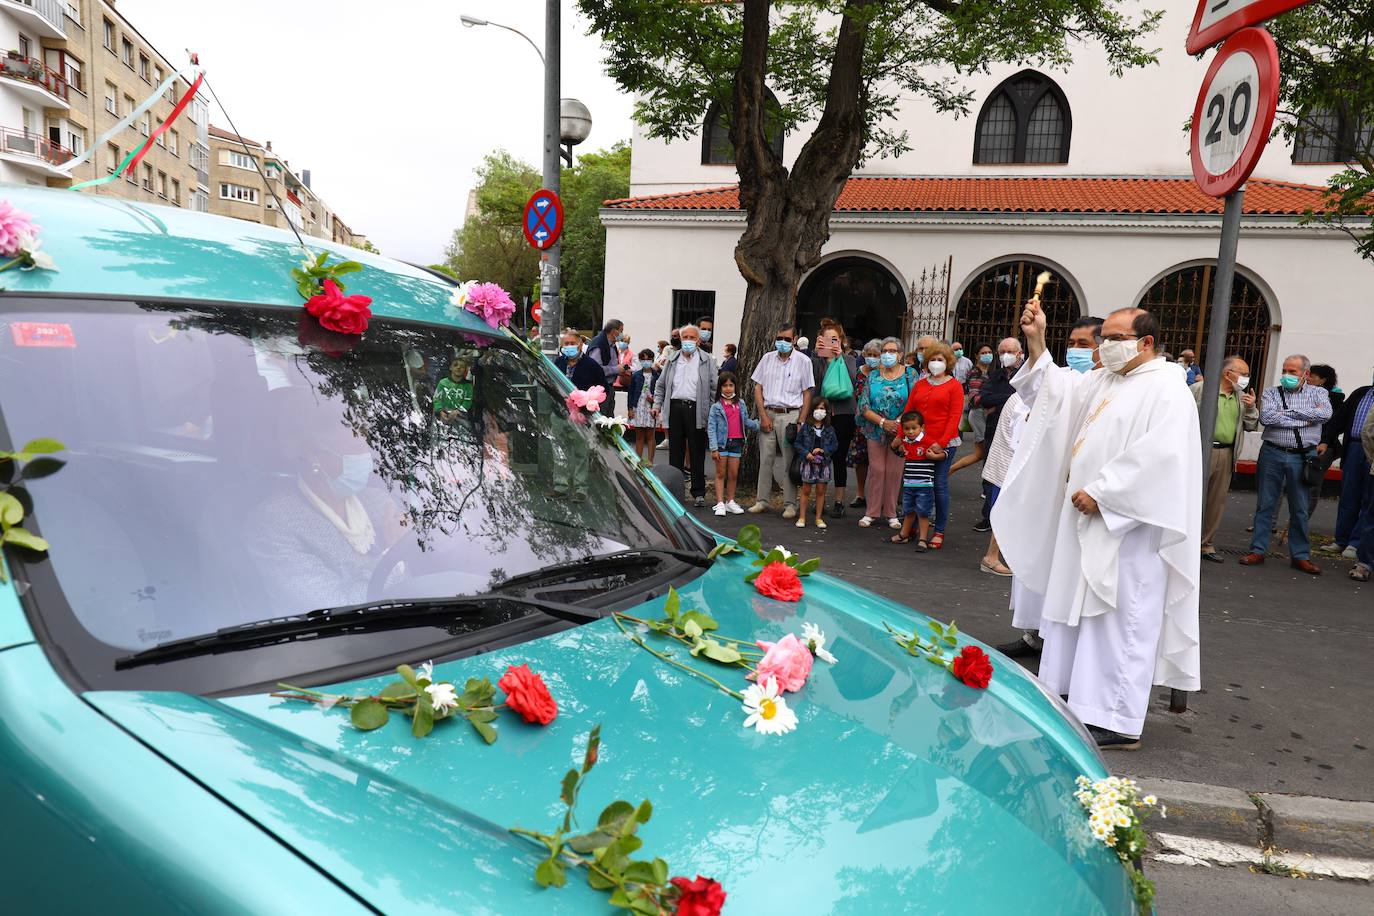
[{"x": 940, "y": 399}]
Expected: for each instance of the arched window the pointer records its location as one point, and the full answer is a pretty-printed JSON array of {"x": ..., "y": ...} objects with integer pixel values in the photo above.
[
  {"x": 990, "y": 306},
  {"x": 716, "y": 148},
  {"x": 1327, "y": 136},
  {"x": 1025, "y": 120},
  {"x": 858, "y": 292},
  {"x": 1181, "y": 302}
]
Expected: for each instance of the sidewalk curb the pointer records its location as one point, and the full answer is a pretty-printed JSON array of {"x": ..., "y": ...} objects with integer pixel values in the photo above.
[{"x": 1302, "y": 824}]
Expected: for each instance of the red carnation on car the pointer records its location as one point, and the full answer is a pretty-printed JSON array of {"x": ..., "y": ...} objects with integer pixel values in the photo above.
[
  {"x": 702, "y": 897},
  {"x": 780, "y": 581},
  {"x": 973, "y": 667},
  {"x": 527, "y": 696}
]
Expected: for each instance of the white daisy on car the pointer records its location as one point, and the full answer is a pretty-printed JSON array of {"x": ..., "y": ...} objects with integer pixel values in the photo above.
[
  {"x": 768, "y": 712},
  {"x": 814, "y": 637}
]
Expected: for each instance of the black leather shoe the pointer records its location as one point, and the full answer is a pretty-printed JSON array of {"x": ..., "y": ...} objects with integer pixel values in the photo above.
[
  {"x": 837, "y": 510},
  {"x": 1018, "y": 649},
  {"x": 1212, "y": 556},
  {"x": 982, "y": 525},
  {"x": 1111, "y": 741}
]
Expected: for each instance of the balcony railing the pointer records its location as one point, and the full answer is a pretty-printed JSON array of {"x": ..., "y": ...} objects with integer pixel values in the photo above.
[
  {"x": 32, "y": 146},
  {"x": 34, "y": 71},
  {"x": 51, "y": 10}
]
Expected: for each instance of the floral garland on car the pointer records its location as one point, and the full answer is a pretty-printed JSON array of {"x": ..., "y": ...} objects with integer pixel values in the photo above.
[
  {"x": 319, "y": 284},
  {"x": 31, "y": 462},
  {"x": 774, "y": 667},
  {"x": 427, "y": 701},
  {"x": 637, "y": 885},
  {"x": 1114, "y": 807},
  {"x": 19, "y": 241}
]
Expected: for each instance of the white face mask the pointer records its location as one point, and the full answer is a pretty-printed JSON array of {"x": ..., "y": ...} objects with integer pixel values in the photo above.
[
  {"x": 936, "y": 366},
  {"x": 1243, "y": 382},
  {"x": 1115, "y": 354},
  {"x": 819, "y": 414},
  {"x": 1008, "y": 360}
]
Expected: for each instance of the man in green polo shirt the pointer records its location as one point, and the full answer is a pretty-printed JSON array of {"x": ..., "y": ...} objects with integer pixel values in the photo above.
[
  {"x": 453, "y": 395},
  {"x": 1236, "y": 410}
]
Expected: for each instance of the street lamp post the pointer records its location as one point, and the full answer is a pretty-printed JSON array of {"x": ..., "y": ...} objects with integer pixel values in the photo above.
[{"x": 567, "y": 122}]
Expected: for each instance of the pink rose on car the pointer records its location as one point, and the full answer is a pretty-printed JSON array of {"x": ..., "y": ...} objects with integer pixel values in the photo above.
[{"x": 789, "y": 660}]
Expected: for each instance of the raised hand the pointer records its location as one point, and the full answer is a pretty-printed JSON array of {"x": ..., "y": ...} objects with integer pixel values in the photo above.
[{"x": 1033, "y": 319}]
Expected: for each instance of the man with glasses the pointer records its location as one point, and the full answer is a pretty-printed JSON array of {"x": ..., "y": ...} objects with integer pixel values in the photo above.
[
  {"x": 783, "y": 383},
  {"x": 1109, "y": 463}
]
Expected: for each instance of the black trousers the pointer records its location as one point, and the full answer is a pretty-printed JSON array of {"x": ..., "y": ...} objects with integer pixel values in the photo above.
[
  {"x": 843, "y": 424},
  {"x": 683, "y": 434}
]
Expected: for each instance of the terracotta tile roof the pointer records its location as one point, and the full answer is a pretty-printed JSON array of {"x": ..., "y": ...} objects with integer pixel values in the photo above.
[
  {"x": 1016, "y": 195},
  {"x": 222, "y": 134}
]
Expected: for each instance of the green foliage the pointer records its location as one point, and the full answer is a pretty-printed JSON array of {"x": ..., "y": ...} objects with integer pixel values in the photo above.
[
  {"x": 28, "y": 463},
  {"x": 490, "y": 246},
  {"x": 368, "y": 714},
  {"x": 365, "y": 245},
  {"x": 677, "y": 58},
  {"x": 932, "y": 650},
  {"x": 594, "y": 179},
  {"x": 1326, "y": 92},
  {"x": 638, "y": 885},
  {"x": 310, "y": 276},
  {"x": 446, "y": 270}
]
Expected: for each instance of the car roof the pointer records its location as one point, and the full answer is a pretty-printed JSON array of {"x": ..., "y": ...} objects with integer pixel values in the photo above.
[{"x": 114, "y": 247}]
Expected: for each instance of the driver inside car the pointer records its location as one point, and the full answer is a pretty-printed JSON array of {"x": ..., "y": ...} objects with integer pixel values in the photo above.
[{"x": 317, "y": 538}]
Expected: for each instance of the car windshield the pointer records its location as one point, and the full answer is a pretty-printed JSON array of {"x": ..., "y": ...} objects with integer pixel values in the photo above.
[{"x": 227, "y": 465}]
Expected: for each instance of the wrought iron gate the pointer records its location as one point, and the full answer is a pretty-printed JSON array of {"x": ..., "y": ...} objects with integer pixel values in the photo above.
[
  {"x": 927, "y": 304},
  {"x": 990, "y": 309},
  {"x": 1182, "y": 301}
]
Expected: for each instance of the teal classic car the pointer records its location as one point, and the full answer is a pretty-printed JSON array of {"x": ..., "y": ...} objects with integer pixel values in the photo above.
[{"x": 229, "y": 470}]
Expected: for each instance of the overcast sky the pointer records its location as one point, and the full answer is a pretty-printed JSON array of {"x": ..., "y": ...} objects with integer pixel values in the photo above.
[{"x": 390, "y": 105}]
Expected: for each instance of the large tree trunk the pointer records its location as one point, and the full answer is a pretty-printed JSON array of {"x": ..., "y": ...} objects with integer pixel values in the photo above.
[{"x": 788, "y": 215}]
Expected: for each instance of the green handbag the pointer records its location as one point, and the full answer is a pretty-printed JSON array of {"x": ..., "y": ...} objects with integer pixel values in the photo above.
[{"x": 837, "y": 385}]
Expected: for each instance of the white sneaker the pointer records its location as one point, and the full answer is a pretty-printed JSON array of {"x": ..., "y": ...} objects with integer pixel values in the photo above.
[
  {"x": 789, "y": 512},
  {"x": 719, "y": 510},
  {"x": 801, "y": 523},
  {"x": 733, "y": 508},
  {"x": 1333, "y": 547},
  {"x": 1349, "y": 553},
  {"x": 895, "y": 524},
  {"x": 820, "y": 523},
  {"x": 865, "y": 521},
  {"x": 758, "y": 507}
]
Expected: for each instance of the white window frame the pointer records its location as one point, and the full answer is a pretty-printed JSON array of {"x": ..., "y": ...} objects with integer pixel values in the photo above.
[
  {"x": 237, "y": 160},
  {"x": 143, "y": 126},
  {"x": 114, "y": 162},
  {"x": 126, "y": 53},
  {"x": 230, "y": 191},
  {"x": 112, "y": 98},
  {"x": 147, "y": 178},
  {"x": 111, "y": 36},
  {"x": 172, "y": 142}
]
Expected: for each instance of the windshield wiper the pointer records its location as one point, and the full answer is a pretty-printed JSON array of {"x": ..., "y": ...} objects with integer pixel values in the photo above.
[
  {"x": 600, "y": 563},
  {"x": 355, "y": 618}
]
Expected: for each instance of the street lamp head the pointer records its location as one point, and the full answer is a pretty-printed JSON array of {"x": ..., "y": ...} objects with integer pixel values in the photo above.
[
  {"x": 470, "y": 21},
  {"x": 574, "y": 121}
]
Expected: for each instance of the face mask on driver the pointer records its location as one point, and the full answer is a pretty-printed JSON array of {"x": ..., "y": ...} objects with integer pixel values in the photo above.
[{"x": 354, "y": 476}]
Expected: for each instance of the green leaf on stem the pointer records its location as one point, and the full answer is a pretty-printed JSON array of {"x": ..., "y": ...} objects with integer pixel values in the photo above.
[
  {"x": 42, "y": 447},
  {"x": 407, "y": 674},
  {"x": 773, "y": 556},
  {"x": 593, "y": 750},
  {"x": 640, "y": 872},
  {"x": 752, "y": 576},
  {"x": 368, "y": 714},
  {"x": 719, "y": 652},
  {"x": 692, "y": 629},
  {"x": 704, "y": 621},
  {"x": 568, "y": 792},
  {"x": 396, "y": 690},
  {"x": 484, "y": 729},
  {"x": 423, "y": 722},
  {"x": 21, "y": 537},
  {"x": 644, "y": 903},
  {"x": 585, "y": 843},
  {"x": 644, "y": 811},
  {"x": 614, "y": 815},
  {"x": 672, "y": 604},
  {"x": 551, "y": 873},
  {"x": 620, "y": 898},
  {"x": 660, "y": 871},
  {"x": 807, "y": 567},
  {"x": 598, "y": 880},
  {"x": 749, "y": 538},
  {"x": 11, "y": 510}
]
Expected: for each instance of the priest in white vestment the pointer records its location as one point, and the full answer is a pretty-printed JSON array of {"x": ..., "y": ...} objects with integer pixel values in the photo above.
[{"x": 1103, "y": 519}]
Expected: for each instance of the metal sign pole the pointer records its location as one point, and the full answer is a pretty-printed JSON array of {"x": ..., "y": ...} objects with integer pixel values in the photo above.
[
  {"x": 550, "y": 307},
  {"x": 1216, "y": 353}
]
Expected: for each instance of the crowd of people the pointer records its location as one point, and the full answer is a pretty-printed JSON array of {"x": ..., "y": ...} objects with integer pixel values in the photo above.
[{"x": 1102, "y": 526}]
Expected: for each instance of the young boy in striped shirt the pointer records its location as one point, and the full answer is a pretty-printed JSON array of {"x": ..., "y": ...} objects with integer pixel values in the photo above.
[{"x": 918, "y": 479}]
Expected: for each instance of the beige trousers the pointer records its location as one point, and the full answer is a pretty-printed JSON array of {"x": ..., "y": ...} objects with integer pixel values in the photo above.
[{"x": 1218, "y": 485}]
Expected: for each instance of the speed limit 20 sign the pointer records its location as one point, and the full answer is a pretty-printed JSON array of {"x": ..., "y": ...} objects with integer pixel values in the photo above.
[{"x": 1235, "y": 111}]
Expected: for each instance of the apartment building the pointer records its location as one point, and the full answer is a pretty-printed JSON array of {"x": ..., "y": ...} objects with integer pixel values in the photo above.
[
  {"x": 250, "y": 181},
  {"x": 74, "y": 68}
]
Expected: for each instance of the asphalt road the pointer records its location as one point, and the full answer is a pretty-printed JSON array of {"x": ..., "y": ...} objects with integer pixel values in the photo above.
[
  {"x": 1288, "y": 698},
  {"x": 1184, "y": 890}
]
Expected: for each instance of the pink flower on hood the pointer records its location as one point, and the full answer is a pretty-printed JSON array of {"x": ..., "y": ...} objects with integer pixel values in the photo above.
[
  {"x": 594, "y": 396},
  {"x": 789, "y": 660},
  {"x": 15, "y": 227}
]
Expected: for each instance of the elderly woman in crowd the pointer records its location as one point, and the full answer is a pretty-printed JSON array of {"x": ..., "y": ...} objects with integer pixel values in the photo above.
[
  {"x": 939, "y": 398},
  {"x": 884, "y": 395}
]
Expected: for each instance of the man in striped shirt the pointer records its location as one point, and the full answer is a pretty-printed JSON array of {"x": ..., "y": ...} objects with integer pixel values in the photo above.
[{"x": 1292, "y": 414}]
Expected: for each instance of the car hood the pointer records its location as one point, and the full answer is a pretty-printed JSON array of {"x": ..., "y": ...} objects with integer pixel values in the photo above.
[{"x": 900, "y": 789}]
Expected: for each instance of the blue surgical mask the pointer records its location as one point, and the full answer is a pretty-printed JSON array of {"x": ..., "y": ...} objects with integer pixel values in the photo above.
[
  {"x": 570, "y": 351},
  {"x": 689, "y": 346},
  {"x": 958, "y": 354},
  {"x": 784, "y": 346},
  {"x": 985, "y": 359},
  {"x": 872, "y": 361},
  {"x": 889, "y": 360},
  {"x": 1080, "y": 359},
  {"x": 1289, "y": 382},
  {"x": 920, "y": 359},
  {"x": 705, "y": 334},
  {"x": 621, "y": 345},
  {"x": 357, "y": 469}
]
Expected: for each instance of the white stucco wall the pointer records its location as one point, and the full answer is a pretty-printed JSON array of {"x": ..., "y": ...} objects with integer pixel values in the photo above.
[
  {"x": 1319, "y": 291},
  {"x": 1131, "y": 125}
]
